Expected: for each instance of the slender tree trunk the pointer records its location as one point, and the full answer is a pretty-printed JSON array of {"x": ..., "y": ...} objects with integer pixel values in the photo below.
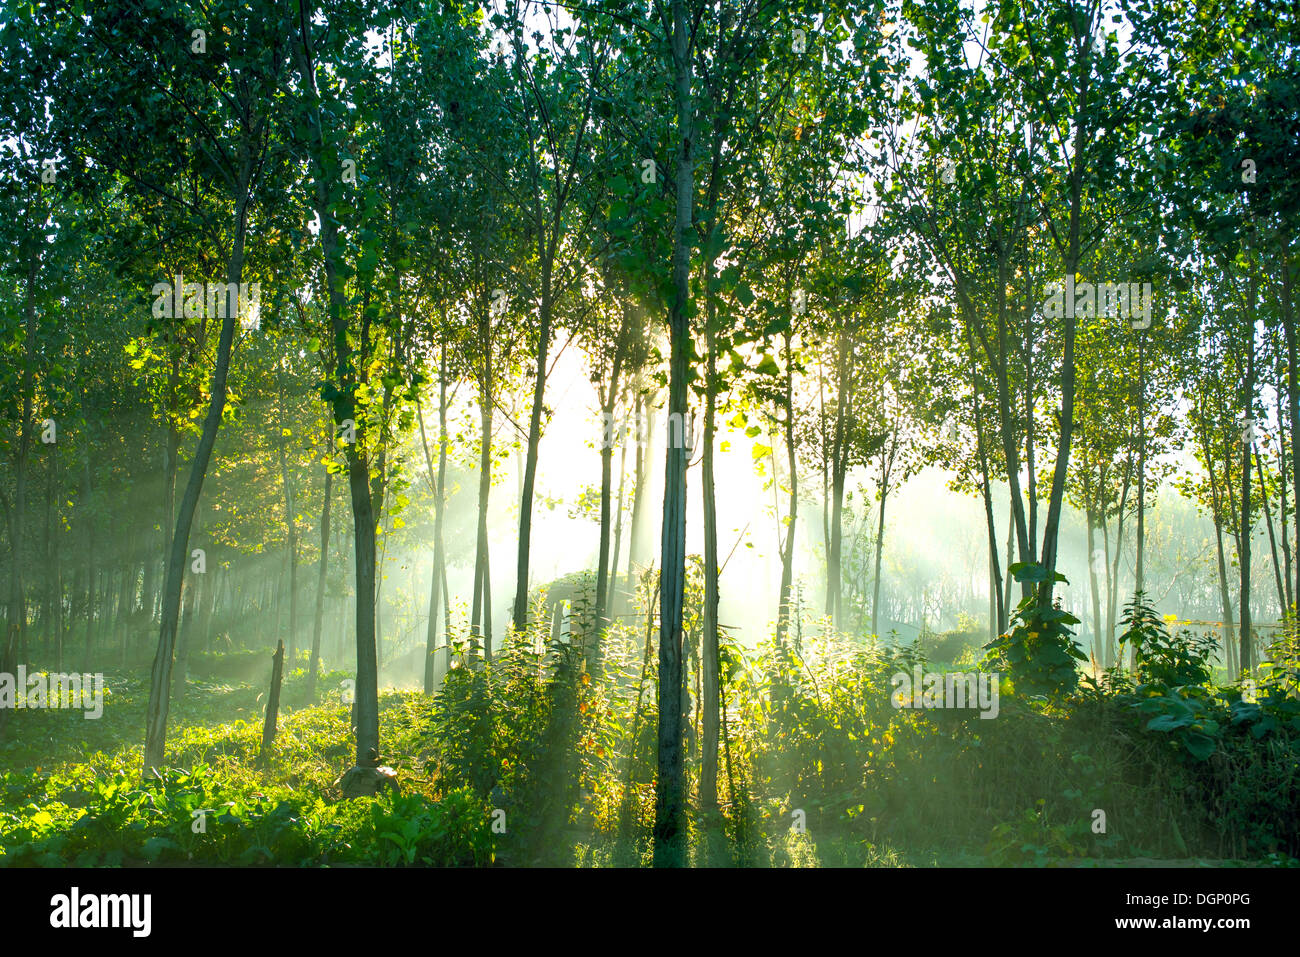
[
  {"x": 446, "y": 602},
  {"x": 601, "y": 616},
  {"x": 91, "y": 571},
  {"x": 520, "y": 617},
  {"x": 1243, "y": 553},
  {"x": 1079, "y": 159},
  {"x": 313, "y": 666},
  {"x": 17, "y": 616},
  {"x": 1283, "y": 508},
  {"x": 47, "y": 572},
  {"x": 1293, "y": 403},
  {"x": 885, "y": 456},
  {"x": 272, "y": 702},
  {"x": 1110, "y": 593},
  {"x": 439, "y": 547},
  {"x": 1011, "y": 538},
  {"x": 644, "y": 447},
  {"x": 291, "y": 543},
  {"x": 1272, "y": 538},
  {"x": 670, "y": 831},
  {"x": 1140, "y": 580},
  {"x": 211, "y": 596},
  {"x": 367, "y": 688},
  {"x": 785, "y": 611},
  {"x": 1098, "y": 651},
  {"x": 1229, "y": 638},
  {"x": 997, "y": 601},
  {"x": 1010, "y": 447},
  {"x": 160, "y": 678},
  {"x": 839, "y": 470},
  {"x": 345, "y": 410},
  {"x": 435, "y": 577},
  {"x": 185, "y": 638},
  {"x": 618, "y": 605},
  {"x": 709, "y": 614},
  {"x": 481, "y": 614},
  {"x": 1115, "y": 559}
]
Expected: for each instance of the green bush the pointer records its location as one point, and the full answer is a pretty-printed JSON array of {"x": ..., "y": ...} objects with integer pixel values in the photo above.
[{"x": 1039, "y": 651}]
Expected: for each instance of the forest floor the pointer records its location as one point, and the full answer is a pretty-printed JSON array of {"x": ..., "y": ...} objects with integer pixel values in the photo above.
[{"x": 71, "y": 794}]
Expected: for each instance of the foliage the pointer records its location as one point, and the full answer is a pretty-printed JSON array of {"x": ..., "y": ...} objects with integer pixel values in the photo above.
[
  {"x": 1039, "y": 650},
  {"x": 1158, "y": 657}
]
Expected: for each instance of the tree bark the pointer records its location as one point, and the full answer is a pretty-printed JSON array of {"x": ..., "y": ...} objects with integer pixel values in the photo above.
[
  {"x": 481, "y": 613},
  {"x": 1272, "y": 538},
  {"x": 291, "y": 541},
  {"x": 1293, "y": 402},
  {"x": 670, "y": 831},
  {"x": 1243, "y": 541},
  {"x": 435, "y": 576},
  {"x": 1140, "y": 580},
  {"x": 886, "y": 455},
  {"x": 160, "y": 676},
  {"x": 1225, "y": 599},
  {"x": 344, "y": 408},
  {"x": 784, "y": 609},
  {"x": 272, "y": 702},
  {"x": 520, "y": 617},
  {"x": 17, "y": 614},
  {"x": 1098, "y": 650},
  {"x": 600, "y": 618},
  {"x": 313, "y": 666}
]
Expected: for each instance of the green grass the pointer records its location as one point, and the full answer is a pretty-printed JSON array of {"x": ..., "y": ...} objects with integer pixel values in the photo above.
[{"x": 879, "y": 787}]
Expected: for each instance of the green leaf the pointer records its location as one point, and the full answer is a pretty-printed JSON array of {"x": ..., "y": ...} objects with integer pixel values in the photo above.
[{"x": 1200, "y": 745}]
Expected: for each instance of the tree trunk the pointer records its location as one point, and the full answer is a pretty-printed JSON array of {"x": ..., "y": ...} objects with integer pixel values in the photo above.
[
  {"x": 880, "y": 535},
  {"x": 670, "y": 831},
  {"x": 313, "y": 666},
  {"x": 645, "y": 428},
  {"x": 1098, "y": 650},
  {"x": 1283, "y": 509},
  {"x": 56, "y": 572},
  {"x": 1293, "y": 404},
  {"x": 1011, "y": 537},
  {"x": 160, "y": 677},
  {"x": 291, "y": 543},
  {"x": 1272, "y": 538},
  {"x": 600, "y": 618},
  {"x": 520, "y": 617},
  {"x": 839, "y": 470},
  {"x": 91, "y": 570},
  {"x": 17, "y": 615},
  {"x": 709, "y": 614},
  {"x": 345, "y": 410},
  {"x": 481, "y": 614},
  {"x": 185, "y": 637},
  {"x": 1243, "y": 541},
  {"x": 272, "y": 702},
  {"x": 996, "y": 597},
  {"x": 784, "y": 609},
  {"x": 1140, "y": 580},
  {"x": 1229, "y": 638},
  {"x": 439, "y": 577},
  {"x": 616, "y": 598},
  {"x": 367, "y": 688}
]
